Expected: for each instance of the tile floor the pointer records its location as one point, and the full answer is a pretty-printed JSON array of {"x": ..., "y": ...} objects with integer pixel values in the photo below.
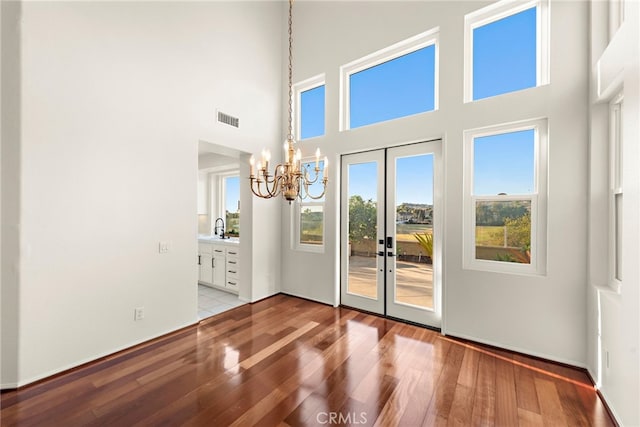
[{"x": 212, "y": 301}]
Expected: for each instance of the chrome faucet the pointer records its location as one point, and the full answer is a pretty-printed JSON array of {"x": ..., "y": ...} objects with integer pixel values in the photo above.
[{"x": 217, "y": 228}]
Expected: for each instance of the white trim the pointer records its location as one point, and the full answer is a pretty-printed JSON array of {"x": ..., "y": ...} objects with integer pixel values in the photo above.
[
  {"x": 404, "y": 47},
  {"x": 296, "y": 224},
  {"x": 495, "y": 12},
  {"x": 616, "y": 159},
  {"x": 298, "y": 88},
  {"x": 517, "y": 349},
  {"x": 296, "y": 210},
  {"x": 538, "y": 198}
]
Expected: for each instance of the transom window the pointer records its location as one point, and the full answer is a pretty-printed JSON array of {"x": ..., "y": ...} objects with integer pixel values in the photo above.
[
  {"x": 505, "y": 199},
  {"x": 309, "y": 107},
  {"x": 395, "y": 82},
  {"x": 506, "y": 48}
]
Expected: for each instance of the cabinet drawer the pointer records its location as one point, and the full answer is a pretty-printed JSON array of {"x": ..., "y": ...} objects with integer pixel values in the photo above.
[
  {"x": 204, "y": 248},
  {"x": 232, "y": 252},
  {"x": 232, "y": 284},
  {"x": 232, "y": 273}
]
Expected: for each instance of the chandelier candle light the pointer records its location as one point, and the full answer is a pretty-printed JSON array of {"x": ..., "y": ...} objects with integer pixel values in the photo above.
[{"x": 291, "y": 179}]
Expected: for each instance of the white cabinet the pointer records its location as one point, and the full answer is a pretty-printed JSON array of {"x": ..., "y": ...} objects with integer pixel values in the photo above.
[
  {"x": 205, "y": 263},
  {"x": 203, "y": 189},
  {"x": 218, "y": 266},
  {"x": 232, "y": 269}
]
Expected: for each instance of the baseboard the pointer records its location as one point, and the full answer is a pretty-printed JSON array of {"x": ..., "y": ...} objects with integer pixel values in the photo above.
[
  {"x": 603, "y": 398},
  {"x": 526, "y": 352},
  {"x": 293, "y": 294},
  {"x": 93, "y": 359}
]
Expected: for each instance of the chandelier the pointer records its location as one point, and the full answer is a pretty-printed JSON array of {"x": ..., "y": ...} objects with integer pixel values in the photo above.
[{"x": 293, "y": 178}]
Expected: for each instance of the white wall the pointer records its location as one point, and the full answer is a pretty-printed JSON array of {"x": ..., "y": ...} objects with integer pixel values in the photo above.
[
  {"x": 544, "y": 316},
  {"x": 614, "y": 319},
  {"x": 114, "y": 99},
  {"x": 10, "y": 181}
]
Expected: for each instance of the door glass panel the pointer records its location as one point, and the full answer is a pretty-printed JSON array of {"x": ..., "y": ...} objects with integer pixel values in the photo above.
[
  {"x": 363, "y": 214},
  {"x": 414, "y": 231}
]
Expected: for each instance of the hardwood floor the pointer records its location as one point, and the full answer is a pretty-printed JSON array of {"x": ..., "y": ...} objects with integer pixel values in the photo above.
[{"x": 288, "y": 361}]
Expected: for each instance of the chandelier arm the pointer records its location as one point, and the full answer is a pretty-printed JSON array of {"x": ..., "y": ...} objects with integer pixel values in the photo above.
[{"x": 256, "y": 191}]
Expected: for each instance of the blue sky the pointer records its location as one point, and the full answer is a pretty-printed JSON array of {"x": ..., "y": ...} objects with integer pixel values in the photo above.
[
  {"x": 232, "y": 193},
  {"x": 504, "y": 163},
  {"x": 504, "y": 61},
  {"x": 312, "y": 112}
]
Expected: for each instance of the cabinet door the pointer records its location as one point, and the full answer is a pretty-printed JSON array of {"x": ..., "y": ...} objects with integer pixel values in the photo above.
[
  {"x": 219, "y": 269},
  {"x": 206, "y": 268}
]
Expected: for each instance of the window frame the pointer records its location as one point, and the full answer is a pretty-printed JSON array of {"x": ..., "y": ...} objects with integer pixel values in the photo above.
[
  {"x": 404, "y": 47},
  {"x": 303, "y": 86},
  {"x": 616, "y": 108},
  {"x": 296, "y": 210},
  {"x": 495, "y": 12},
  {"x": 538, "y": 199},
  {"x": 222, "y": 194}
]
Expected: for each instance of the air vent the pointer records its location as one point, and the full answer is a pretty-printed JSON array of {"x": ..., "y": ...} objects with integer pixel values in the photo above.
[{"x": 228, "y": 120}]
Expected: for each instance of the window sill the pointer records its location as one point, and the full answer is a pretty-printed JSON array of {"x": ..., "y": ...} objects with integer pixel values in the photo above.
[{"x": 609, "y": 288}]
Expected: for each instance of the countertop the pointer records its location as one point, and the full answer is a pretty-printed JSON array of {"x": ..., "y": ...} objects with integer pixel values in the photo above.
[{"x": 231, "y": 241}]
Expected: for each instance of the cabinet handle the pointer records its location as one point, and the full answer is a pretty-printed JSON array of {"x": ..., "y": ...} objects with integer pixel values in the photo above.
[
  {"x": 231, "y": 262},
  {"x": 232, "y": 272},
  {"x": 199, "y": 260},
  {"x": 232, "y": 253},
  {"x": 218, "y": 250},
  {"x": 213, "y": 263},
  {"x": 232, "y": 283}
]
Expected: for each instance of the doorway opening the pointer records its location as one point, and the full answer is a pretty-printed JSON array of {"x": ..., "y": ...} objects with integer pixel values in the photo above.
[{"x": 391, "y": 239}]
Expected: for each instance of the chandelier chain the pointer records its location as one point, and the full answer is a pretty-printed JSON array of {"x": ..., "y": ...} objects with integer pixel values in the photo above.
[
  {"x": 290, "y": 116},
  {"x": 293, "y": 178}
]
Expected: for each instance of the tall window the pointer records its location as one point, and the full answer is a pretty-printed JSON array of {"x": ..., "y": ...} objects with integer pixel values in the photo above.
[
  {"x": 308, "y": 224},
  {"x": 231, "y": 191},
  {"x": 309, "y": 106},
  {"x": 505, "y": 215},
  {"x": 615, "y": 192},
  {"x": 506, "y": 48},
  {"x": 395, "y": 82}
]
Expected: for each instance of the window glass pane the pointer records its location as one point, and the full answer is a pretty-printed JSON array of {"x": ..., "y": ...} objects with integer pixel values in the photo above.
[
  {"x": 504, "y": 163},
  {"x": 363, "y": 229},
  {"x": 312, "y": 112},
  {"x": 232, "y": 205},
  {"x": 311, "y": 224},
  {"x": 396, "y": 88},
  {"x": 503, "y": 231},
  {"x": 316, "y": 188},
  {"x": 504, "y": 55}
]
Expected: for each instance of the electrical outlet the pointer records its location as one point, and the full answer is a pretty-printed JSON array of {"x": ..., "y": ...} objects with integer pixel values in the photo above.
[
  {"x": 138, "y": 313},
  {"x": 163, "y": 247}
]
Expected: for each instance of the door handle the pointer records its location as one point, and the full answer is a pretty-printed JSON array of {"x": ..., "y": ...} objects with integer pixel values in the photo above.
[
  {"x": 389, "y": 242},
  {"x": 381, "y": 253},
  {"x": 390, "y": 253}
]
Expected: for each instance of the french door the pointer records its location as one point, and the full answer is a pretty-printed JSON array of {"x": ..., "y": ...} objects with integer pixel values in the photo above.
[{"x": 391, "y": 232}]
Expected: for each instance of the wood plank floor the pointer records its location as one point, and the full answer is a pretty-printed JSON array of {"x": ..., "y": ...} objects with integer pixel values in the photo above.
[{"x": 288, "y": 361}]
